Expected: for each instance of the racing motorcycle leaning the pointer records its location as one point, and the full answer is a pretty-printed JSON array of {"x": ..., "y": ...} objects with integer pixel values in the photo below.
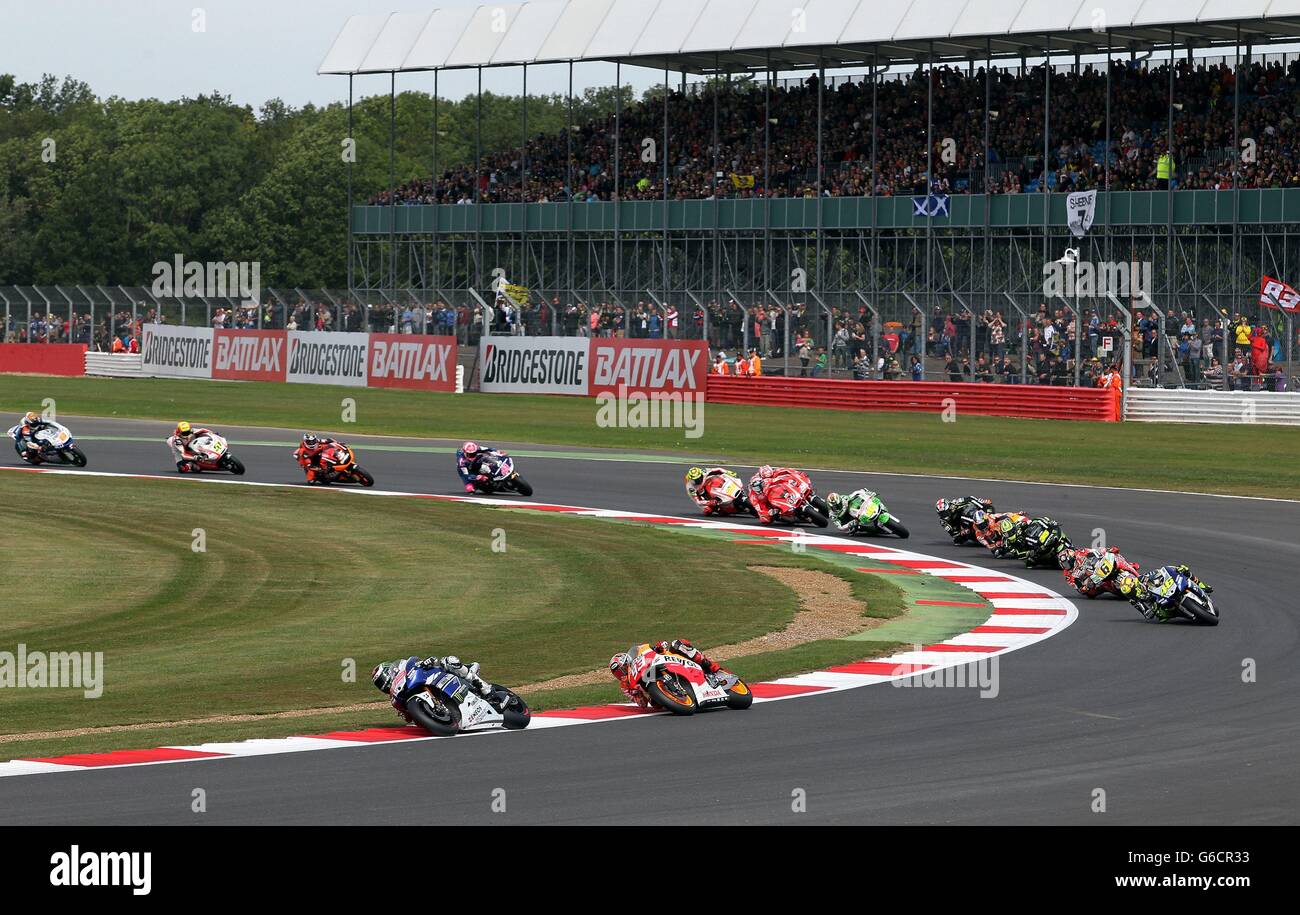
[
  {"x": 497, "y": 474},
  {"x": 863, "y": 512},
  {"x": 213, "y": 453},
  {"x": 958, "y": 516},
  {"x": 444, "y": 704},
  {"x": 1094, "y": 572},
  {"x": 338, "y": 464},
  {"x": 719, "y": 492},
  {"x": 1170, "y": 592},
  {"x": 677, "y": 684},
  {"x": 55, "y": 446},
  {"x": 790, "y": 497}
]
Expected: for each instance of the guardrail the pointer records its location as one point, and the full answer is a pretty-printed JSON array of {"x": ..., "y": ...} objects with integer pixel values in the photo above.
[
  {"x": 1024, "y": 400},
  {"x": 1182, "y": 406},
  {"x": 115, "y": 365}
]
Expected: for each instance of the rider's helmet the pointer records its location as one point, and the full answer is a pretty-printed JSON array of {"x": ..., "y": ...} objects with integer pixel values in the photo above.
[
  {"x": 940, "y": 505},
  {"x": 469, "y": 449},
  {"x": 835, "y": 502},
  {"x": 618, "y": 663},
  {"x": 765, "y": 470},
  {"x": 694, "y": 477},
  {"x": 382, "y": 676},
  {"x": 309, "y": 440},
  {"x": 30, "y": 418},
  {"x": 184, "y": 429}
]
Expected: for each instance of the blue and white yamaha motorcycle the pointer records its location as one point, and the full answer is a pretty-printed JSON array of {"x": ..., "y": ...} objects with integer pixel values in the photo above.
[{"x": 444, "y": 704}]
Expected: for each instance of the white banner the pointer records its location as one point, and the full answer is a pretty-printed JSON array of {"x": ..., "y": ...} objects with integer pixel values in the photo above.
[
  {"x": 317, "y": 357},
  {"x": 1079, "y": 210},
  {"x": 176, "y": 352},
  {"x": 533, "y": 365}
]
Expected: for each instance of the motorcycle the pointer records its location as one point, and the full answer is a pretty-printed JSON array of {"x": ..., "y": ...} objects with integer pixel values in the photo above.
[
  {"x": 498, "y": 474},
  {"x": 728, "y": 491},
  {"x": 958, "y": 516},
  {"x": 214, "y": 454},
  {"x": 56, "y": 446},
  {"x": 677, "y": 684},
  {"x": 1093, "y": 576},
  {"x": 338, "y": 464},
  {"x": 876, "y": 518},
  {"x": 1179, "y": 592},
  {"x": 791, "y": 497},
  {"x": 445, "y": 705}
]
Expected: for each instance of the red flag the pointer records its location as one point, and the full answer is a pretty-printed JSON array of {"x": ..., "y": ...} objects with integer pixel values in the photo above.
[{"x": 1270, "y": 289}]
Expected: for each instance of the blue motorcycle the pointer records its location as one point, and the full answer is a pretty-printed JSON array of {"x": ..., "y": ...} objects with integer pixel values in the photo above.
[
  {"x": 1179, "y": 593},
  {"x": 444, "y": 704}
]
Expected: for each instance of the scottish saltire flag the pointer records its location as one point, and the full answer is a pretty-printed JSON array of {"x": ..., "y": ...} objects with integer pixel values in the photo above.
[{"x": 930, "y": 205}]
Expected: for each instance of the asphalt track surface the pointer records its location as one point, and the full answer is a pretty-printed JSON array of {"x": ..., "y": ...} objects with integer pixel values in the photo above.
[{"x": 1156, "y": 716}]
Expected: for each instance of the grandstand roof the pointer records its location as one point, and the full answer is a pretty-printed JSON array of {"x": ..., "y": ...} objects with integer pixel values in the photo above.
[{"x": 703, "y": 36}]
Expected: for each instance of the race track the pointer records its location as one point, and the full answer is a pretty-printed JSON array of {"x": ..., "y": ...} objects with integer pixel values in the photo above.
[{"x": 1158, "y": 716}]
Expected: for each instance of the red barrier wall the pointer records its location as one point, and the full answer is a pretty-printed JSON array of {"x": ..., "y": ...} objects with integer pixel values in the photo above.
[
  {"x": 43, "y": 358},
  {"x": 1027, "y": 400}
]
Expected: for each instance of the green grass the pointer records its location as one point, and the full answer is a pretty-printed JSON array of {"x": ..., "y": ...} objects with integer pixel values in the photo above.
[
  {"x": 1241, "y": 460},
  {"x": 294, "y": 584}
]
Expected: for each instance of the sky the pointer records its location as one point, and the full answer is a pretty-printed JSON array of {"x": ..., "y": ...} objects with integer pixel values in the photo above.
[{"x": 250, "y": 50}]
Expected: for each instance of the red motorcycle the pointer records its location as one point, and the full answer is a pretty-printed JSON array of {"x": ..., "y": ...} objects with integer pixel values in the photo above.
[
  {"x": 1097, "y": 572},
  {"x": 336, "y": 464},
  {"x": 791, "y": 497}
]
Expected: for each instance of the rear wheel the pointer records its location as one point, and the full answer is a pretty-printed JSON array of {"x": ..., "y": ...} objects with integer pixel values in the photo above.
[
  {"x": 816, "y": 517},
  {"x": 75, "y": 456},
  {"x": 234, "y": 465},
  {"x": 362, "y": 476},
  {"x": 438, "y": 717},
  {"x": 1202, "y": 609},
  {"x": 895, "y": 527},
  {"x": 739, "y": 697},
  {"x": 521, "y": 485},
  {"x": 671, "y": 696}
]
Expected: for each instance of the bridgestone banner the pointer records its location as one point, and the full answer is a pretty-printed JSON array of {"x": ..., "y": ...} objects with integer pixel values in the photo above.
[
  {"x": 176, "y": 352},
  {"x": 412, "y": 361},
  {"x": 533, "y": 365},
  {"x": 315, "y": 357},
  {"x": 249, "y": 355}
]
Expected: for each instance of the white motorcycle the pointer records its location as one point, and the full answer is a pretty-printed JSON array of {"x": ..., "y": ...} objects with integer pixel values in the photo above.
[
  {"x": 56, "y": 446},
  {"x": 676, "y": 684},
  {"x": 214, "y": 454},
  {"x": 444, "y": 704}
]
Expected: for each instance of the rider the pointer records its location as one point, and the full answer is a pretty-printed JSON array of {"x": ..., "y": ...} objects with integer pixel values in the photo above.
[
  {"x": 847, "y": 512},
  {"x": 757, "y": 493},
  {"x": 992, "y": 528},
  {"x": 385, "y": 676},
  {"x": 468, "y": 461},
  {"x": 951, "y": 512},
  {"x": 1152, "y": 593},
  {"x": 1033, "y": 540},
  {"x": 620, "y": 666},
  {"x": 25, "y": 441},
  {"x": 696, "y": 478},
  {"x": 309, "y": 452},
  {"x": 180, "y": 440}
]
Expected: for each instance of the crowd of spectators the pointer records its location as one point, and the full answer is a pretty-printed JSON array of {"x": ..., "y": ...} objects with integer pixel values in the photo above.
[{"x": 1203, "y": 152}]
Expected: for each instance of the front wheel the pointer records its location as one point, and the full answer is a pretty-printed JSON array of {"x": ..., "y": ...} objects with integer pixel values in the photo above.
[
  {"x": 671, "y": 697},
  {"x": 75, "y": 456},
  {"x": 895, "y": 527},
  {"x": 815, "y": 516},
  {"x": 739, "y": 697},
  {"x": 1201, "y": 609},
  {"x": 521, "y": 485},
  {"x": 362, "y": 476},
  {"x": 434, "y": 715},
  {"x": 514, "y": 712},
  {"x": 234, "y": 465}
]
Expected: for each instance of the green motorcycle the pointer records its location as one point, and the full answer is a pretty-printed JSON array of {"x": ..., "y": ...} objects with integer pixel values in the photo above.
[{"x": 862, "y": 512}]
